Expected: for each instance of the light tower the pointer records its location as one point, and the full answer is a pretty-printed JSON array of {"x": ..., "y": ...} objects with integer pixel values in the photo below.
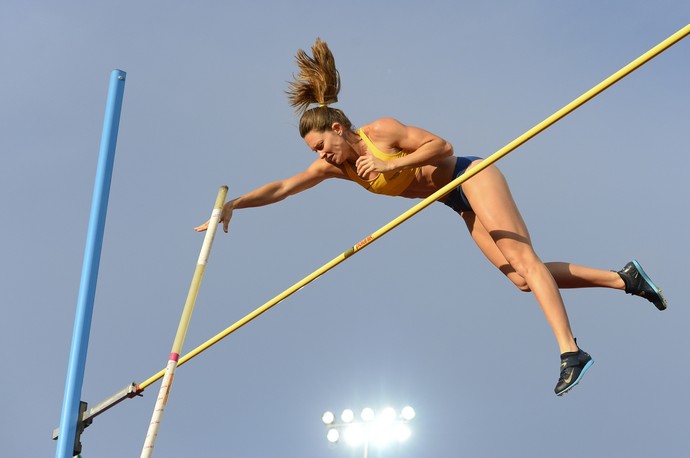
[{"x": 371, "y": 428}]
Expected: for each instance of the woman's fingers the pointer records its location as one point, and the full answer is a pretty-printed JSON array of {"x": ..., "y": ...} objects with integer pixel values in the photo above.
[
  {"x": 203, "y": 227},
  {"x": 365, "y": 165},
  {"x": 226, "y": 216}
]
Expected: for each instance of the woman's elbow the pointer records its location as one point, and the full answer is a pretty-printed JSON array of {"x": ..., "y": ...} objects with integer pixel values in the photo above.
[{"x": 447, "y": 149}]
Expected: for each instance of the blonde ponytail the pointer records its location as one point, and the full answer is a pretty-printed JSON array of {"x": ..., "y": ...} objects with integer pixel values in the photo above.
[{"x": 318, "y": 80}]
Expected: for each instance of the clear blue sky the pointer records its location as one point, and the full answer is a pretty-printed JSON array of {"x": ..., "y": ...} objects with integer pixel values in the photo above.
[{"x": 417, "y": 318}]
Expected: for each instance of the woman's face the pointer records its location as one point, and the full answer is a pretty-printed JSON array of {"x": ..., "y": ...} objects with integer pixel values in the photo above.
[{"x": 329, "y": 145}]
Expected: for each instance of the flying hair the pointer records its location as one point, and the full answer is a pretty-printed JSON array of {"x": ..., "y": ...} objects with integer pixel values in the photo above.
[{"x": 318, "y": 80}]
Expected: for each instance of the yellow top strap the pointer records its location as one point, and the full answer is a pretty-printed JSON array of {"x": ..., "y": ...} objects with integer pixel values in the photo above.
[{"x": 377, "y": 152}]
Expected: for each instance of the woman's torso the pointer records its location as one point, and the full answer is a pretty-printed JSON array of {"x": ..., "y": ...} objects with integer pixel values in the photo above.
[{"x": 426, "y": 180}]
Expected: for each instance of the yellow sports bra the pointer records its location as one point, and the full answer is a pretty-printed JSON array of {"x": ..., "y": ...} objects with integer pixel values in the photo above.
[{"x": 388, "y": 183}]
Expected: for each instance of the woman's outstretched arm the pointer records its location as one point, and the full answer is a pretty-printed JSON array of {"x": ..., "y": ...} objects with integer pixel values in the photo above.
[{"x": 276, "y": 191}]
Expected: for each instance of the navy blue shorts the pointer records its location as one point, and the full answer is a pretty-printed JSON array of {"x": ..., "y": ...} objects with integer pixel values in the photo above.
[{"x": 456, "y": 199}]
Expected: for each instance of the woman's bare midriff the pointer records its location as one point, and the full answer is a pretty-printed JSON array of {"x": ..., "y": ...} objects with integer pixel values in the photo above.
[{"x": 431, "y": 178}]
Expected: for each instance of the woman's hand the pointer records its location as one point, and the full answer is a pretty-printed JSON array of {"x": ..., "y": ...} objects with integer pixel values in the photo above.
[
  {"x": 225, "y": 216},
  {"x": 369, "y": 163}
]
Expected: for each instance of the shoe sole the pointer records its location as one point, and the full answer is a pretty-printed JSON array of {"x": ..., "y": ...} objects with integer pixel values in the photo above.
[
  {"x": 660, "y": 303},
  {"x": 579, "y": 377}
]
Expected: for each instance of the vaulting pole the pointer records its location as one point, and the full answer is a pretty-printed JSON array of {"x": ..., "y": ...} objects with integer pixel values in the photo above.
[
  {"x": 162, "y": 400},
  {"x": 66, "y": 446},
  {"x": 560, "y": 114}
]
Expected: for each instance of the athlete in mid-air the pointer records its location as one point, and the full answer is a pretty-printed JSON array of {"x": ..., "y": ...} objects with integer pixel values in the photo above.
[{"x": 391, "y": 158}]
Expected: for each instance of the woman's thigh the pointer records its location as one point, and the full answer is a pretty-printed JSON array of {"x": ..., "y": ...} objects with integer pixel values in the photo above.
[{"x": 495, "y": 208}]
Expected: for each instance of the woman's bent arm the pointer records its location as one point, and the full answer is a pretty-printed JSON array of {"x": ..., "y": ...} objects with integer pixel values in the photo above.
[{"x": 424, "y": 147}]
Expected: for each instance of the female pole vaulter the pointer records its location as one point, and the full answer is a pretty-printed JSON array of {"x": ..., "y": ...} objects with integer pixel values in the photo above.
[{"x": 391, "y": 158}]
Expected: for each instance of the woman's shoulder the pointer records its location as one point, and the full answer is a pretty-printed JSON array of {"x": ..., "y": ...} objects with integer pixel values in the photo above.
[
  {"x": 326, "y": 170},
  {"x": 382, "y": 125},
  {"x": 386, "y": 130}
]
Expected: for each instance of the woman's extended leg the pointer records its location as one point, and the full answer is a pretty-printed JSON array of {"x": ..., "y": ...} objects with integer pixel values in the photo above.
[
  {"x": 632, "y": 278},
  {"x": 565, "y": 274}
]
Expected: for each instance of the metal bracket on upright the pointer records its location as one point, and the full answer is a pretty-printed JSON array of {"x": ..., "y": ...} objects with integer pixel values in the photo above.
[{"x": 86, "y": 416}]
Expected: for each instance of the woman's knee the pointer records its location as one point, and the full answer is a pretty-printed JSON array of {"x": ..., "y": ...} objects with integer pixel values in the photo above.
[
  {"x": 517, "y": 279},
  {"x": 525, "y": 263}
]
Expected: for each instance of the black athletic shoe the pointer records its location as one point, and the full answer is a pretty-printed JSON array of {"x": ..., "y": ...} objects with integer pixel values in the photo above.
[
  {"x": 639, "y": 284},
  {"x": 573, "y": 367}
]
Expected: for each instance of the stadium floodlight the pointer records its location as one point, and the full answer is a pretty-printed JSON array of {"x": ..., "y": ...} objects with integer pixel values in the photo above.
[
  {"x": 333, "y": 435},
  {"x": 402, "y": 432},
  {"x": 328, "y": 417},
  {"x": 355, "y": 434},
  {"x": 388, "y": 415},
  {"x": 367, "y": 414},
  {"x": 407, "y": 413},
  {"x": 347, "y": 416}
]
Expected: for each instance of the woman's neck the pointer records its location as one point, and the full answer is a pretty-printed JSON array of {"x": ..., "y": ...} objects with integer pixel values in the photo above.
[{"x": 355, "y": 142}]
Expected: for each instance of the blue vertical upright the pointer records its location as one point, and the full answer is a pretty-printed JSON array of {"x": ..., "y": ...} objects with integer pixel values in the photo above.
[{"x": 89, "y": 272}]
